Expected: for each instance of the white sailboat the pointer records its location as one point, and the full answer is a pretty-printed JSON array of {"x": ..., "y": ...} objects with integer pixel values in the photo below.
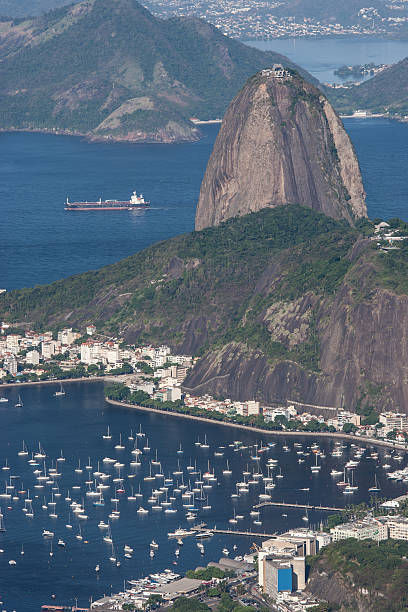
[
  {"x": 376, "y": 487},
  {"x": 108, "y": 435},
  {"x": 19, "y": 403},
  {"x": 227, "y": 471},
  {"x": 60, "y": 391}
]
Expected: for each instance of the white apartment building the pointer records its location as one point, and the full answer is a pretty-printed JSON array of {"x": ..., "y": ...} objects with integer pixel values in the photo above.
[
  {"x": 361, "y": 530},
  {"x": 12, "y": 343},
  {"x": 33, "y": 357},
  {"x": 50, "y": 348},
  {"x": 247, "y": 408},
  {"x": 288, "y": 412},
  {"x": 10, "y": 363},
  {"x": 398, "y": 527},
  {"x": 343, "y": 417},
  {"x": 394, "y": 420},
  {"x": 67, "y": 336},
  {"x": 96, "y": 352}
]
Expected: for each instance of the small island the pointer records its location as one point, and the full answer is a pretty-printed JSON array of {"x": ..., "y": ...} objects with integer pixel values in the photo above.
[{"x": 359, "y": 71}]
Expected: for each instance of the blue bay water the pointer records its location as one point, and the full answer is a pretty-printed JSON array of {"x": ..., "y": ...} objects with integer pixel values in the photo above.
[
  {"x": 40, "y": 242},
  {"x": 322, "y": 56},
  {"x": 73, "y": 425}
]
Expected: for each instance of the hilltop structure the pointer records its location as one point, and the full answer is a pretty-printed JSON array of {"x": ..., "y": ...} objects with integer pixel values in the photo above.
[{"x": 280, "y": 142}]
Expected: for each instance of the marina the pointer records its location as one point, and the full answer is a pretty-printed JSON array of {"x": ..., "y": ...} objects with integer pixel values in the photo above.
[{"x": 140, "y": 492}]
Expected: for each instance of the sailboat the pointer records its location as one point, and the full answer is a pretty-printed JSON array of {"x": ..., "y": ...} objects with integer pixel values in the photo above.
[
  {"x": 108, "y": 435},
  {"x": 227, "y": 470},
  {"x": 233, "y": 520},
  {"x": 205, "y": 444},
  {"x": 316, "y": 467},
  {"x": 120, "y": 445},
  {"x": 60, "y": 392},
  {"x": 140, "y": 433},
  {"x": 24, "y": 451},
  {"x": 375, "y": 487},
  {"x": 2, "y": 525},
  {"x": 19, "y": 403}
]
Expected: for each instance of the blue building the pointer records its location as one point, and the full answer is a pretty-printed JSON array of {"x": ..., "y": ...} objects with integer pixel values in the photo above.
[{"x": 278, "y": 577}]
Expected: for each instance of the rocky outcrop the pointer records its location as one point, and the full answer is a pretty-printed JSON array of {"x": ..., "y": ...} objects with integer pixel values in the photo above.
[
  {"x": 363, "y": 352},
  {"x": 337, "y": 589},
  {"x": 280, "y": 142}
]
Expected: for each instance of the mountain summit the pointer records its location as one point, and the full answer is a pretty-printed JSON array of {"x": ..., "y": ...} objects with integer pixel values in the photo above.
[
  {"x": 109, "y": 69},
  {"x": 280, "y": 142}
]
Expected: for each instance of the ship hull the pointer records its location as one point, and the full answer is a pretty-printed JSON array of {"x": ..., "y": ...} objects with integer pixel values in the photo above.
[{"x": 104, "y": 206}]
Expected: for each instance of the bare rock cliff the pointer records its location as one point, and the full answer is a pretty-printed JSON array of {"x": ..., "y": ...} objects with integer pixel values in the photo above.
[{"x": 280, "y": 142}]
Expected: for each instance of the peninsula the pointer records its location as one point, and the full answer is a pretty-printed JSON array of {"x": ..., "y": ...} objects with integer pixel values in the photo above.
[{"x": 133, "y": 77}]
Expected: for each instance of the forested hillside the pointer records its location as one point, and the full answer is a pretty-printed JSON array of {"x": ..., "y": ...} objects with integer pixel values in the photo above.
[
  {"x": 280, "y": 304},
  {"x": 387, "y": 92},
  {"x": 109, "y": 69}
]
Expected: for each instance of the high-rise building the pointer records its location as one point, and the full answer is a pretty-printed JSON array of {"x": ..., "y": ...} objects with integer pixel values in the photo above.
[{"x": 10, "y": 363}]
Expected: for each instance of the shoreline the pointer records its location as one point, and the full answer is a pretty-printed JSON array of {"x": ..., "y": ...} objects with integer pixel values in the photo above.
[
  {"x": 51, "y": 382},
  {"x": 323, "y": 434},
  {"x": 94, "y": 138}
]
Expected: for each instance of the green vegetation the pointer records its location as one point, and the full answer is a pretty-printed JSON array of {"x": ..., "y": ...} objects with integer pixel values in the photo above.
[
  {"x": 120, "y": 393},
  {"x": 380, "y": 568},
  {"x": 261, "y": 283},
  {"x": 218, "y": 269},
  {"x": 357, "y": 71},
  {"x": 188, "y": 604},
  {"x": 386, "y": 92},
  {"x": 350, "y": 513},
  {"x": 82, "y": 66},
  {"x": 209, "y": 572}
]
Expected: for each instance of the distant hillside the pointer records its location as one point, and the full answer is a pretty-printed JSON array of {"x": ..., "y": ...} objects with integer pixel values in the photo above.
[
  {"x": 24, "y": 8},
  {"x": 346, "y": 13},
  {"x": 284, "y": 303},
  {"x": 387, "y": 92},
  {"x": 109, "y": 69}
]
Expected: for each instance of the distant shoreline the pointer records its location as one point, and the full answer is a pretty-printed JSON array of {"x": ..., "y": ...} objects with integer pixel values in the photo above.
[
  {"x": 94, "y": 138},
  {"x": 58, "y": 381},
  {"x": 259, "y": 430}
]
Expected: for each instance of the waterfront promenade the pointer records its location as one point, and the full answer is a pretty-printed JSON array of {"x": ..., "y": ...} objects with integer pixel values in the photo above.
[
  {"x": 266, "y": 432},
  {"x": 36, "y": 383}
]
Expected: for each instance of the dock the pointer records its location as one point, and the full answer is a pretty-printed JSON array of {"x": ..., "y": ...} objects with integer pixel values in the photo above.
[
  {"x": 251, "y": 534},
  {"x": 300, "y": 506}
]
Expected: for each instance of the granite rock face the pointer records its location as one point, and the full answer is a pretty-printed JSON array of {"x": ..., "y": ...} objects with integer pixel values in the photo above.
[{"x": 280, "y": 142}]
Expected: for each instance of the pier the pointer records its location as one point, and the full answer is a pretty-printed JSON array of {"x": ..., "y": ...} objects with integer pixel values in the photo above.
[
  {"x": 251, "y": 534},
  {"x": 296, "y": 505}
]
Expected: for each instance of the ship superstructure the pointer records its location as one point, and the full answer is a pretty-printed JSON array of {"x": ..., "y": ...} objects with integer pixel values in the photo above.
[{"x": 136, "y": 201}]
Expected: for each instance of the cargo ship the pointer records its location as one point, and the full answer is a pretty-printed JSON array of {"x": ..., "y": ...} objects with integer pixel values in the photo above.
[{"x": 136, "y": 201}]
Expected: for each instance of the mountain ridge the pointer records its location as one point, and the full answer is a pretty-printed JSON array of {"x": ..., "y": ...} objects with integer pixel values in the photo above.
[{"x": 111, "y": 70}]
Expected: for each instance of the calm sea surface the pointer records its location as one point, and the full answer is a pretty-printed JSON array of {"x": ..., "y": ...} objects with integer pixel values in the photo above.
[
  {"x": 40, "y": 242},
  {"x": 72, "y": 426},
  {"x": 322, "y": 56}
]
